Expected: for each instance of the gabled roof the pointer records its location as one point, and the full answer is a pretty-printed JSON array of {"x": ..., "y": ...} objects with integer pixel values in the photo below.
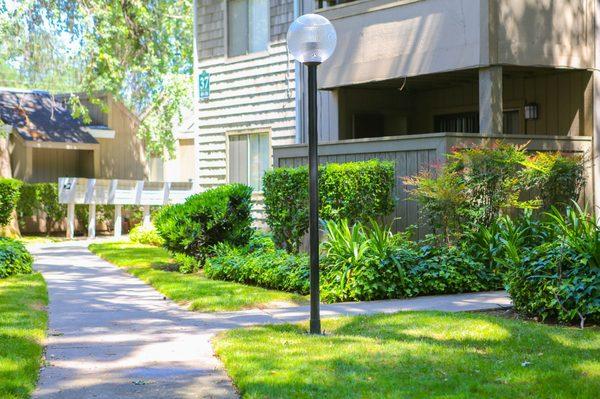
[{"x": 37, "y": 116}]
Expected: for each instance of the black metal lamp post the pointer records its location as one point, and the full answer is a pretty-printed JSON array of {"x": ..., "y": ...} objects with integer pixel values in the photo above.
[{"x": 311, "y": 40}]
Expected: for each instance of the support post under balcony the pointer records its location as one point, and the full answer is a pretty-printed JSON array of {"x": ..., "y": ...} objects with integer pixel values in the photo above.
[{"x": 490, "y": 100}]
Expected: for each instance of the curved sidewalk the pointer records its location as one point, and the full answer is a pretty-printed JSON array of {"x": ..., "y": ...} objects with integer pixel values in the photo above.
[{"x": 112, "y": 336}]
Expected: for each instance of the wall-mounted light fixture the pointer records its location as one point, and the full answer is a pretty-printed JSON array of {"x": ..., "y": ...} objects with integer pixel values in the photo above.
[{"x": 531, "y": 111}]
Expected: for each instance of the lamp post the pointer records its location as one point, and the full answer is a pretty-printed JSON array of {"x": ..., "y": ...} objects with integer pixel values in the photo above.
[{"x": 311, "y": 39}]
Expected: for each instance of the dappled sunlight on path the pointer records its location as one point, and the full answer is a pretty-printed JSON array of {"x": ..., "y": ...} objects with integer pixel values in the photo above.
[{"x": 112, "y": 336}]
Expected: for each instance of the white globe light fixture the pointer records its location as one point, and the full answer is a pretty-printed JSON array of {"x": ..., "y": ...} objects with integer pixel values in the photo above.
[{"x": 311, "y": 40}]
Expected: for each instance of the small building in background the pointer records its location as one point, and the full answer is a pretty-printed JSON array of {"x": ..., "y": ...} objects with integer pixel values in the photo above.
[{"x": 46, "y": 142}]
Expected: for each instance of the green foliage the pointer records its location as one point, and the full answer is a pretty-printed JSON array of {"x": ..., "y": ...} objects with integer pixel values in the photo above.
[
  {"x": 41, "y": 198},
  {"x": 139, "y": 51},
  {"x": 286, "y": 199},
  {"x": 490, "y": 177},
  {"x": 186, "y": 264},
  {"x": 218, "y": 215},
  {"x": 14, "y": 258},
  {"x": 446, "y": 269},
  {"x": 442, "y": 199},
  {"x": 558, "y": 179},
  {"x": 260, "y": 263},
  {"x": 559, "y": 277},
  {"x": 478, "y": 185},
  {"x": 9, "y": 198},
  {"x": 366, "y": 262},
  {"x": 145, "y": 235},
  {"x": 355, "y": 191}
]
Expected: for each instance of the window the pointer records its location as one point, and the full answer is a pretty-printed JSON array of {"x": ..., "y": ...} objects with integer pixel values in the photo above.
[
  {"x": 462, "y": 123},
  {"x": 247, "y": 26},
  {"x": 331, "y": 3},
  {"x": 510, "y": 122},
  {"x": 249, "y": 158}
]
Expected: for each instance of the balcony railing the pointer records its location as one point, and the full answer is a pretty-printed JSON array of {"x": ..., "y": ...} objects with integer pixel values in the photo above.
[{"x": 412, "y": 154}]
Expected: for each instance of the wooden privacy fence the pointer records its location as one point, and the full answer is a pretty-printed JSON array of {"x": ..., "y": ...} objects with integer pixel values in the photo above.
[
  {"x": 76, "y": 190},
  {"x": 412, "y": 154}
]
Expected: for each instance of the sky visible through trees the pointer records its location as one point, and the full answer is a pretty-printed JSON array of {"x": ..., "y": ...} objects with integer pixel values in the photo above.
[{"x": 138, "y": 50}]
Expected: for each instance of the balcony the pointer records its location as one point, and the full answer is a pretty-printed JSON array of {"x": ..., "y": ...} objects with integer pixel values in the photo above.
[{"x": 389, "y": 39}]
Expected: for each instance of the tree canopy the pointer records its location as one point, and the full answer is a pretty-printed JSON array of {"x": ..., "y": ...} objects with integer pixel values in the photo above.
[{"x": 138, "y": 50}]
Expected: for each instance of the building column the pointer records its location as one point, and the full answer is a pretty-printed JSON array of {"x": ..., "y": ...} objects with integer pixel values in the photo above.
[
  {"x": 490, "y": 100},
  {"x": 92, "y": 221},
  {"x": 146, "y": 219},
  {"x": 118, "y": 221},
  {"x": 71, "y": 220}
]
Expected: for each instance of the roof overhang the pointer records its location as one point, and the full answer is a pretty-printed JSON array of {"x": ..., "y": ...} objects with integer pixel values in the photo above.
[
  {"x": 100, "y": 132},
  {"x": 56, "y": 145}
]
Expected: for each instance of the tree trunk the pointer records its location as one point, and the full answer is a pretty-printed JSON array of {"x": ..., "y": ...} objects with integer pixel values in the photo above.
[{"x": 12, "y": 229}]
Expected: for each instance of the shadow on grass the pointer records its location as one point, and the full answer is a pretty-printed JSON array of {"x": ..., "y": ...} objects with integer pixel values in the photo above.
[{"x": 416, "y": 355}]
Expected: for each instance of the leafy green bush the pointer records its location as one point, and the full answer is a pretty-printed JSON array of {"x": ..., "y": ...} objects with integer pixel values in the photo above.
[
  {"x": 186, "y": 264},
  {"x": 286, "y": 199},
  {"x": 9, "y": 198},
  {"x": 556, "y": 178},
  {"x": 145, "y": 235},
  {"x": 260, "y": 263},
  {"x": 41, "y": 198},
  {"x": 218, "y": 215},
  {"x": 443, "y": 201},
  {"x": 355, "y": 191},
  {"x": 558, "y": 278},
  {"x": 489, "y": 174},
  {"x": 478, "y": 185},
  {"x": 447, "y": 269},
  {"x": 14, "y": 258},
  {"x": 365, "y": 262}
]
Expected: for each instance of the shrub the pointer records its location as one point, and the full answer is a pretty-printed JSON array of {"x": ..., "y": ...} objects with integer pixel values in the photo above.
[
  {"x": 9, "y": 197},
  {"x": 355, "y": 191},
  {"x": 260, "y": 263},
  {"x": 186, "y": 264},
  {"x": 365, "y": 262},
  {"x": 145, "y": 235},
  {"x": 14, "y": 258},
  {"x": 41, "y": 198},
  {"x": 490, "y": 177},
  {"x": 286, "y": 199},
  {"x": 557, "y": 179},
  {"x": 218, "y": 215},
  {"x": 560, "y": 278},
  {"x": 447, "y": 269},
  {"x": 442, "y": 199}
]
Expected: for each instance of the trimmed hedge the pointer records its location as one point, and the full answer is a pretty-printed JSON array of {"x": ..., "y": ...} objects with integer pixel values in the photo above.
[
  {"x": 260, "y": 263},
  {"x": 14, "y": 258},
  {"x": 218, "y": 215},
  {"x": 356, "y": 191},
  {"x": 9, "y": 197}
]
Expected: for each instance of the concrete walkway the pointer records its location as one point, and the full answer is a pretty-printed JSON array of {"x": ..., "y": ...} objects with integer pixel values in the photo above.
[{"x": 111, "y": 336}]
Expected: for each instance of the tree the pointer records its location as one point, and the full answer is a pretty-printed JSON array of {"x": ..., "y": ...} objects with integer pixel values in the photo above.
[{"x": 138, "y": 50}]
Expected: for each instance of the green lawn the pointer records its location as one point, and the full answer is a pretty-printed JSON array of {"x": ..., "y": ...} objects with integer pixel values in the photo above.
[
  {"x": 154, "y": 266},
  {"x": 22, "y": 327},
  {"x": 414, "y": 355}
]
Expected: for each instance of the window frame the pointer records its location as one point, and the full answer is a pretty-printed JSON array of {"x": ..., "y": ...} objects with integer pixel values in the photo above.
[
  {"x": 247, "y": 55},
  {"x": 246, "y": 132}
]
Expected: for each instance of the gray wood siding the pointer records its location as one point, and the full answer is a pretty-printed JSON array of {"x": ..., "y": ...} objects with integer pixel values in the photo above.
[
  {"x": 418, "y": 153},
  {"x": 249, "y": 93}
]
